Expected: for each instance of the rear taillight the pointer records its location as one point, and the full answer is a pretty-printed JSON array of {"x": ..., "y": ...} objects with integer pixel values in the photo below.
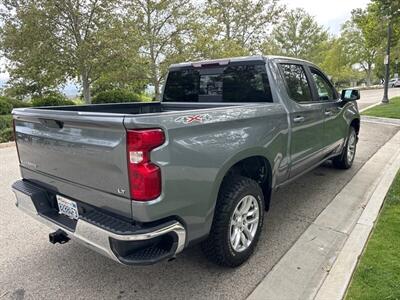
[{"x": 144, "y": 176}]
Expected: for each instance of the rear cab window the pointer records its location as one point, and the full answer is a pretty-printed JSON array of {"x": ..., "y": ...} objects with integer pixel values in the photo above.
[{"x": 231, "y": 83}]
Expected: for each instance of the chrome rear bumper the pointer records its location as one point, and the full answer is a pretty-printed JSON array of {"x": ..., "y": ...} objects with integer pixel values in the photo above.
[{"x": 100, "y": 239}]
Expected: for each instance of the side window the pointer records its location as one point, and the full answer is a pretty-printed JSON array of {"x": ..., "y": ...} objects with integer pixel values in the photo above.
[
  {"x": 298, "y": 86},
  {"x": 324, "y": 88}
]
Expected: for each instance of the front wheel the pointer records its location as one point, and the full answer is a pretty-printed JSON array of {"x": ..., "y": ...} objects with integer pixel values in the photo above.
[
  {"x": 346, "y": 158},
  {"x": 238, "y": 220}
]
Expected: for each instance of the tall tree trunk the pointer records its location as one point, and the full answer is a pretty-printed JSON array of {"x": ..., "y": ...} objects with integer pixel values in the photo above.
[
  {"x": 153, "y": 59},
  {"x": 369, "y": 73},
  {"x": 228, "y": 31},
  {"x": 40, "y": 92},
  {"x": 86, "y": 87},
  {"x": 154, "y": 72},
  {"x": 156, "y": 89}
]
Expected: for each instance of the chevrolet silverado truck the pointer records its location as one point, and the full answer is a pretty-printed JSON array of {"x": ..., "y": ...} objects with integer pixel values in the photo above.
[{"x": 140, "y": 182}]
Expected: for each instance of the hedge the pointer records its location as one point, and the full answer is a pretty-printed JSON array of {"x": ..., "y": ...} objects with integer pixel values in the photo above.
[
  {"x": 5, "y": 107},
  {"x": 115, "y": 96},
  {"x": 51, "y": 100},
  {"x": 5, "y": 121},
  {"x": 6, "y": 130},
  {"x": 6, "y": 135},
  {"x": 15, "y": 103}
]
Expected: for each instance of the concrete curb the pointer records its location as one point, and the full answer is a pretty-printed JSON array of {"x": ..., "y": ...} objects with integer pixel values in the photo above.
[
  {"x": 338, "y": 279},
  {"x": 378, "y": 120},
  {"x": 371, "y": 106},
  {"x": 332, "y": 244}
]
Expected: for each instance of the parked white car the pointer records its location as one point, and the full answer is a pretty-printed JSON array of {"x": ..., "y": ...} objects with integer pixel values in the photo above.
[{"x": 394, "y": 82}]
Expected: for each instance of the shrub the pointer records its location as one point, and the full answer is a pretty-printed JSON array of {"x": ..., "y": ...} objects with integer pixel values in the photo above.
[
  {"x": 51, "y": 100},
  {"x": 5, "y": 107},
  {"x": 115, "y": 96},
  {"x": 5, "y": 122},
  {"x": 145, "y": 98},
  {"x": 6, "y": 128},
  {"x": 6, "y": 135},
  {"x": 15, "y": 103}
]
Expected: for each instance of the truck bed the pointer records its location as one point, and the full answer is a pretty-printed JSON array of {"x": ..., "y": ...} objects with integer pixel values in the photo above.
[{"x": 139, "y": 108}]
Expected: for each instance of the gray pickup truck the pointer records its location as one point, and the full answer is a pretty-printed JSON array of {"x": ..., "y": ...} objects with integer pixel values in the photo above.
[{"x": 139, "y": 182}]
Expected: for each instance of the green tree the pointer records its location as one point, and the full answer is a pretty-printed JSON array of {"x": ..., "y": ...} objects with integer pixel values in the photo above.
[
  {"x": 298, "y": 35},
  {"x": 379, "y": 67},
  {"x": 236, "y": 27},
  {"x": 364, "y": 35},
  {"x": 388, "y": 9},
  {"x": 338, "y": 64},
  {"x": 166, "y": 27},
  {"x": 126, "y": 69},
  {"x": 77, "y": 39},
  {"x": 25, "y": 43},
  {"x": 388, "y": 14}
]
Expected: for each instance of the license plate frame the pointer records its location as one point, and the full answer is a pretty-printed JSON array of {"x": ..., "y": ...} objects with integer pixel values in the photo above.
[{"x": 67, "y": 207}]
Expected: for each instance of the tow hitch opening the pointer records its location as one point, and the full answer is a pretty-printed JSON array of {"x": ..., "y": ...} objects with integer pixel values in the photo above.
[{"x": 58, "y": 236}]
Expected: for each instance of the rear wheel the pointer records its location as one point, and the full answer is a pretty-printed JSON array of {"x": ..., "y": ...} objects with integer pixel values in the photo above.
[
  {"x": 346, "y": 158},
  {"x": 237, "y": 223}
]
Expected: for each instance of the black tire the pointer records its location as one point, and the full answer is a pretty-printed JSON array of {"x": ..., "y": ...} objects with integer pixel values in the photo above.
[
  {"x": 343, "y": 161},
  {"x": 217, "y": 247}
]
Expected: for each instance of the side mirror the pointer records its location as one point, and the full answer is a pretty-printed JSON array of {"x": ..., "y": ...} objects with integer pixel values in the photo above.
[{"x": 350, "y": 95}]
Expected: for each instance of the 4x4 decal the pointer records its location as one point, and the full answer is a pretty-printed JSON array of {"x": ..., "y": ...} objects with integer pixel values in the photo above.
[{"x": 193, "y": 119}]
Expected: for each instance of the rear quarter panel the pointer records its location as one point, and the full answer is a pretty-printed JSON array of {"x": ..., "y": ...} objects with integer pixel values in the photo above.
[{"x": 199, "y": 152}]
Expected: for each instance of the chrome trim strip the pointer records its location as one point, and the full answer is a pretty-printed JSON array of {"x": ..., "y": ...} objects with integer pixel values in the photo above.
[{"x": 95, "y": 237}]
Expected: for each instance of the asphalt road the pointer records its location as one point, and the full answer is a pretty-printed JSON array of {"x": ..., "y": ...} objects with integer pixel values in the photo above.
[
  {"x": 370, "y": 97},
  {"x": 32, "y": 268}
]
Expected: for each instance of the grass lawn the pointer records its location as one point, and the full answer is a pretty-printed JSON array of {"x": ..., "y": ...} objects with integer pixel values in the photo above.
[
  {"x": 391, "y": 110},
  {"x": 378, "y": 273}
]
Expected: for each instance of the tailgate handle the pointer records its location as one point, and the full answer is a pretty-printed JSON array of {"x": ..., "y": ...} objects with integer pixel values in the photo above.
[{"x": 52, "y": 123}]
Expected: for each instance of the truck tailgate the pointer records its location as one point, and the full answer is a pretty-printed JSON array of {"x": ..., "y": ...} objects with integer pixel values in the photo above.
[{"x": 70, "y": 148}]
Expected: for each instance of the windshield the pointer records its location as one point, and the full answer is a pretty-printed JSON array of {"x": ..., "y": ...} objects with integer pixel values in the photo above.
[{"x": 240, "y": 83}]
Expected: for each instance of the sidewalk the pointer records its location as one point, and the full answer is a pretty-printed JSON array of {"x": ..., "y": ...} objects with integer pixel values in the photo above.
[{"x": 320, "y": 263}]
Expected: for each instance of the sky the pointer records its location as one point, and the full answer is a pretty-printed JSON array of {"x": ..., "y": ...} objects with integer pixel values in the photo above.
[{"x": 329, "y": 13}]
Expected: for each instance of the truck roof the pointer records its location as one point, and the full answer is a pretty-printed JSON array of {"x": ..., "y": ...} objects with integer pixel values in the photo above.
[{"x": 225, "y": 61}]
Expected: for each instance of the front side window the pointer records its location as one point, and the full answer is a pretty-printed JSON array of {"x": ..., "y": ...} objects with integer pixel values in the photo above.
[
  {"x": 297, "y": 84},
  {"x": 240, "y": 83},
  {"x": 324, "y": 88}
]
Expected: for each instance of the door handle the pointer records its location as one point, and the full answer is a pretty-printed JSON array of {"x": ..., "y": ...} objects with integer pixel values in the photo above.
[
  {"x": 298, "y": 119},
  {"x": 52, "y": 123},
  {"x": 328, "y": 113}
]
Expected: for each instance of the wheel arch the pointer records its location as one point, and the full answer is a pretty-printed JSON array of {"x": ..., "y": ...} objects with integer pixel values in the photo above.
[
  {"x": 356, "y": 124},
  {"x": 256, "y": 167}
]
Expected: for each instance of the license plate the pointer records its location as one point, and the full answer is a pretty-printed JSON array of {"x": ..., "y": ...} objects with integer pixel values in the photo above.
[{"x": 67, "y": 207}]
